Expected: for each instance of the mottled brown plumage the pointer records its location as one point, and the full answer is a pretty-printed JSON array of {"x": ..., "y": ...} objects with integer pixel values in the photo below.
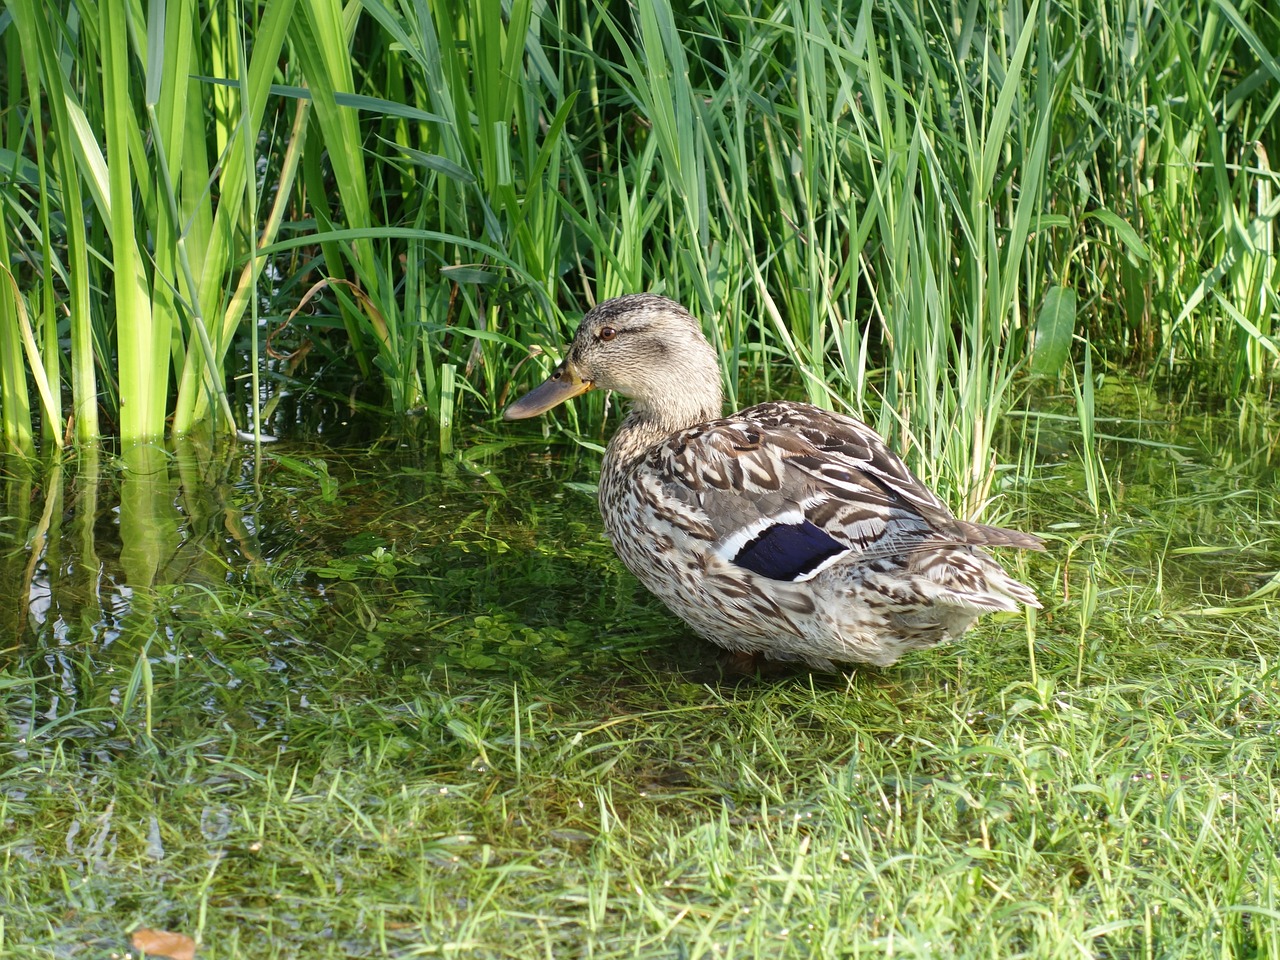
[{"x": 784, "y": 529}]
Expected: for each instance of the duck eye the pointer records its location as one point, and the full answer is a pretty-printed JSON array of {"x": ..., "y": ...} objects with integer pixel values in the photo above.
[{"x": 606, "y": 333}]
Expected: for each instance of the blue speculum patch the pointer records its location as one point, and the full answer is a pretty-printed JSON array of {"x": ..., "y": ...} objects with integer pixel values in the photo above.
[{"x": 788, "y": 551}]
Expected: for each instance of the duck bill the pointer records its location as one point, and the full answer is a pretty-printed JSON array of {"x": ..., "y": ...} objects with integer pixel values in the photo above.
[{"x": 556, "y": 389}]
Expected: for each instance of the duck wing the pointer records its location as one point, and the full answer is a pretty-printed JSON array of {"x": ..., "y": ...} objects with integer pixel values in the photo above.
[{"x": 787, "y": 490}]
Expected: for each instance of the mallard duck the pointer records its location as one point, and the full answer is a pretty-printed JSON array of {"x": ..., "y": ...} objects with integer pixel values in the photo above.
[{"x": 785, "y": 529}]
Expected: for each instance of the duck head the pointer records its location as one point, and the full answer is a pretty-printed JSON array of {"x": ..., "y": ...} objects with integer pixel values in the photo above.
[{"x": 647, "y": 348}]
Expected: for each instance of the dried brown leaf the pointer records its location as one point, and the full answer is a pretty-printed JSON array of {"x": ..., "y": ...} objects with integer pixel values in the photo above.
[{"x": 162, "y": 943}]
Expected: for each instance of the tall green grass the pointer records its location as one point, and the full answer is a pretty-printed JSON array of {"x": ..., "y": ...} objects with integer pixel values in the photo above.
[{"x": 870, "y": 205}]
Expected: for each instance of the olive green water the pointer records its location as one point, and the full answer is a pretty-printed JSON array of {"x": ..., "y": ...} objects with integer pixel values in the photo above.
[{"x": 193, "y": 637}]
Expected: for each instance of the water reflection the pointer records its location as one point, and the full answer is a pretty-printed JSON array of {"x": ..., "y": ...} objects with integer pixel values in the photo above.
[
  {"x": 154, "y": 516},
  {"x": 317, "y": 545}
]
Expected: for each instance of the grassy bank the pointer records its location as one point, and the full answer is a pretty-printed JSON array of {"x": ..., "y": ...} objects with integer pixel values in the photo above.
[
  {"x": 290, "y": 703},
  {"x": 950, "y": 807}
]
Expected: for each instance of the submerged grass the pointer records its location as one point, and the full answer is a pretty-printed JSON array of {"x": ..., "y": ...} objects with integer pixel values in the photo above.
[{"x": 408, "y": 712}]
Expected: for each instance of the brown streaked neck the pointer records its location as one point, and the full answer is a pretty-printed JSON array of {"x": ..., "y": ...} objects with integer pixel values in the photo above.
[{"x": 649, "y": 423}]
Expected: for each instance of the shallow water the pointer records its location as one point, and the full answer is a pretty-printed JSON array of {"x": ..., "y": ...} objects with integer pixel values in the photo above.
[{"x": 493, "y": 558}]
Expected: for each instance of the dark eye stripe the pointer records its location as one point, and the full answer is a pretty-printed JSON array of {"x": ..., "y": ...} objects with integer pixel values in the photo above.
[{"x": 619, "y": 329}]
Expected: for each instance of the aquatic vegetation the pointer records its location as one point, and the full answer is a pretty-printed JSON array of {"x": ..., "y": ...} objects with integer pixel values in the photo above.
[
  {"x": 401, "y": 699},
  {"x": 409, "y": 715}
]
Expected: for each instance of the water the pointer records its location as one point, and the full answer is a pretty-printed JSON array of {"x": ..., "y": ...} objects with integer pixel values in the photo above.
[
  {"x": 272, "y": 564},
  {"x": 493, "y": 559}
]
